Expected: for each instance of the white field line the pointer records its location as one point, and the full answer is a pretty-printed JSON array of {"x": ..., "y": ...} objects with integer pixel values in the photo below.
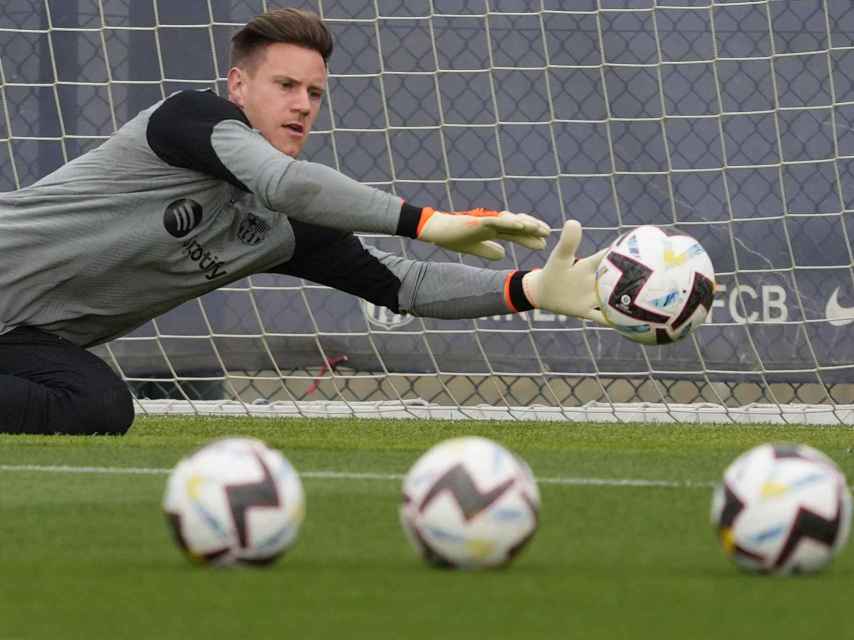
[{"x": 346, "y": 475}]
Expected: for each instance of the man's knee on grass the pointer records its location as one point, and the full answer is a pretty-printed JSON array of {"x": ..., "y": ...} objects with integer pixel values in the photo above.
[{"x": 110, "y": 412}]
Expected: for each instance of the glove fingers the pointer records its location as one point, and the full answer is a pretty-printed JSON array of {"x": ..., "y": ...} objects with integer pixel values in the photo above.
[
  {"x": 484, "y": 249},
  {"x": 596, "y": 316},
  {"x": 531, "y": 242},
  {"x": 591, "y": 263},
  {"x": 596, "y": 259},
  {"x": 503, "y": 224},
  {"x": 570, "y": 238},
  {"x": 532, "y": 225},
  {"x": 516, "y": 223}
]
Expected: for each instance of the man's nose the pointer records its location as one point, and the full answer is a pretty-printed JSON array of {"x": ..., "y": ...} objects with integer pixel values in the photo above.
[{"x": 302, "y": 102}]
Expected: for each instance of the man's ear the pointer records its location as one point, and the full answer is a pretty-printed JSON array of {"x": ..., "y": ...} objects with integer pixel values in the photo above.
[{"x": 236, "y": 86}]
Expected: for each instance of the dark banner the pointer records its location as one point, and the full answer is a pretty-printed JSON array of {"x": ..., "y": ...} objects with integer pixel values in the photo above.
[{"x": 779, "y": 326}]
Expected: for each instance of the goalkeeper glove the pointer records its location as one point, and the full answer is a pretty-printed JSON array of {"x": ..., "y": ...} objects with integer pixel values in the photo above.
[
  {"x": 475, "y": 231},
  {"x": 566, "y": 285}
]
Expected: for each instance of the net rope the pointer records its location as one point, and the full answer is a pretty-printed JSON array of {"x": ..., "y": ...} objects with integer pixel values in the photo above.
[{"x": 732, "y": 121}]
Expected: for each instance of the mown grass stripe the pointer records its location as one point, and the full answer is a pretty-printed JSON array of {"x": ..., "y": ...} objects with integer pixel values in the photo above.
[{"x": 348, "y": 475}]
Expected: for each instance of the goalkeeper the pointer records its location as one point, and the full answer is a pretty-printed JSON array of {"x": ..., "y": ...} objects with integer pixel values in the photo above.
[{"x": 198, "y": 191}]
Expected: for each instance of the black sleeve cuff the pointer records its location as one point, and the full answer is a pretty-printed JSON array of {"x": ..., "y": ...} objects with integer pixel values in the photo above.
[
  {"x": 407, "y": 225},
  {"x": 516, "y": 298}
]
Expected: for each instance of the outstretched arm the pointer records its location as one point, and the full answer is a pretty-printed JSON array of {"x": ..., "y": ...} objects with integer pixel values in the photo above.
[
  {"x": 201, "y": 131},
  {"x": 423, "y": 288},
  {"x": 441, "y": 289}
]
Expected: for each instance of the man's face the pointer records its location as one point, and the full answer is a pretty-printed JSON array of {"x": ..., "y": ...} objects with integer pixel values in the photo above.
[{"x": 280, "y": 93}]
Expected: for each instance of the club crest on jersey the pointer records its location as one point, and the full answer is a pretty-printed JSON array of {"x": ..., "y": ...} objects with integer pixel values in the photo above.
[
  {"x": 182, "y": 216},
  {"x": 252, "y": 229}
]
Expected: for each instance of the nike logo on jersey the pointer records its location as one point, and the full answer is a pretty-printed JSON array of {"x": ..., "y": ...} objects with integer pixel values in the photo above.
[
  {"x": 836, "y": 314},
  {"x": 182, "y": 216}
]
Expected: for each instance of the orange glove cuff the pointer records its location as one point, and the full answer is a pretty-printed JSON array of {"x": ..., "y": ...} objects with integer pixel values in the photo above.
[{"x": 426, "y": 214}]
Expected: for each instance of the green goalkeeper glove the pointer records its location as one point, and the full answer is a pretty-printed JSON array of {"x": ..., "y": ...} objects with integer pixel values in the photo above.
[
  {"x": 566, "y": 285},
  {"x": 475, "y": 231}
]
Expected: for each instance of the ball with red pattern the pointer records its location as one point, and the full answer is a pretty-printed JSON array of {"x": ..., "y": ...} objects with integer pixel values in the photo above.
[
  {"x": 655, "y": 285},
  {"x": 234, "y": 501},
  {"x": 782, "y": 509},
  {"x": 469, "y": 503}
]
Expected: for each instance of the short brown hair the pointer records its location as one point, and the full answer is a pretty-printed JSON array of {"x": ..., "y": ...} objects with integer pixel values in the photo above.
[{"x": 291, "y": 26}]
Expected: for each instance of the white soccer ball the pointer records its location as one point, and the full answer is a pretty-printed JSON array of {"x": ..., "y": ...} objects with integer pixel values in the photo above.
[
  {"x": 655, "y": 286},
  {"x": 234, "y": 501},
  {"x": 469, "y": 503},
  {"x": 781, "y": 509}
]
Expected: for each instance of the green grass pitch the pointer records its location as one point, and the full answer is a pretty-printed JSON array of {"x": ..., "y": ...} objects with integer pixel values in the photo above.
[{"x": 86, "y": 553}]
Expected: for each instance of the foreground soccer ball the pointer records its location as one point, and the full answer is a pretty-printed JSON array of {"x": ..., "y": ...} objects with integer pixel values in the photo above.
[
  {"x": 469, "y": 503},
  {"x": 782, "y": 508},
  {"x": 655, "y": 286},
  {"x": 234, "y": 501}
]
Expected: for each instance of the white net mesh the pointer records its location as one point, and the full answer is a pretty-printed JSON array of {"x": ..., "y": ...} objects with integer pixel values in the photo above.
[{"x": 729, "y": 120}]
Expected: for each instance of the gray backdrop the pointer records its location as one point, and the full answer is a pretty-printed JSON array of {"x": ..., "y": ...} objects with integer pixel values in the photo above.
[{"x": 731, "y": 121}]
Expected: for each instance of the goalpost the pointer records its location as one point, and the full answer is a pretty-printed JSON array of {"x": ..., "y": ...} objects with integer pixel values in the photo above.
[{"x": 732, "y": 121}]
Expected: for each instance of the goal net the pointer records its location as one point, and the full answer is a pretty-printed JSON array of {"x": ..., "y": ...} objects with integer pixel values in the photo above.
[{"x": 731, "y": 121}]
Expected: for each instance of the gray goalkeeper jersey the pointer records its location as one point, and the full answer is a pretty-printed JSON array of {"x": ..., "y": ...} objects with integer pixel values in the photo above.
[{"x": 187, "y": 197}]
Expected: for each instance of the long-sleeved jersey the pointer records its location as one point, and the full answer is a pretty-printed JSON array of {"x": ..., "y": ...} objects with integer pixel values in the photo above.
[{"x": 187, "y": 197}]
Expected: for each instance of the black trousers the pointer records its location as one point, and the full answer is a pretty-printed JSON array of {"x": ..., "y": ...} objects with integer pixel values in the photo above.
[{"x": 49, "y": 385}]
